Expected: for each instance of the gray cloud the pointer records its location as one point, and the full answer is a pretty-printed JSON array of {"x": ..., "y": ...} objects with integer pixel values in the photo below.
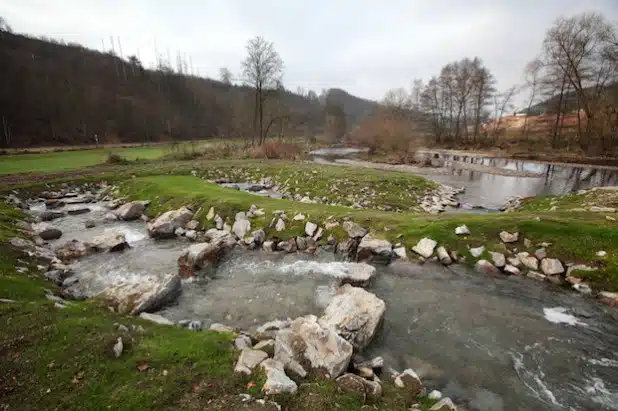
[{"x": 363, "y": 46}]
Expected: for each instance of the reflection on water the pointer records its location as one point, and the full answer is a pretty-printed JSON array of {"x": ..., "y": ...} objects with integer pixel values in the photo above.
[{"x": 492, "y": 191}]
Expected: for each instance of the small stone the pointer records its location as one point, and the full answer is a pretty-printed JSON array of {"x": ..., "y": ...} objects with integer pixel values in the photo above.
[
  {"x": 476, "y": 252},
  {"x": 89, "y": 224},
  {"x": 551, "y": 266},
  {"x": 443, "y": 256},
  {"x": 425, "y": 247},
  {"x": 280, "y": 226},
  {"x": 299, "y": 217},
  {"x": 193, "y": 224},
  {"x": 156, "y": 318},
  {"x": 179, "y": 232},
  {"x": 527, "y": 243},
  {"x": 310, "y": 228},
  {"x": 191, "y": 234},
  {"x": 608, "y": 298},
  {"x": 365, "y": 372},
  {"x": 318, "y": 235},
  {"x": 268, "y": 346},
  {"x": 540, "y": 253},
  {"x": 498, "y": 259},
  {"x": 248, "y": 360},
  {"x": 219, "y": 222},
  {"x": 462, "y": 230},
  {"x": 445, "y": 404},
  {"x": 409, "y": 380},
  {"x": 485, "y": 267},
  {"x": 400, "y": 252},
  {"x": 242, "y": 341},
  {"x": 118, "y": 347},
  {"x": 536, "y": 275},
  {"x": 354, "y": 230},
  {"x": 276, "y": 380},
  {"x": 510, "y": 269},
  {"x": 528, "y": 261},
  {"x": 601, "y": 253},
  {"x": 595, "y": 209},
  {"x": 609, "y": 218},
  {"x": 267, "y": 246},
  {"x": 507, "y": 237},
  {"x": 435, "y": 395},
  {"x": 514, "y": 261},
  {"x": 220, "y": 328},
  {"x": 582, "y": 288}
]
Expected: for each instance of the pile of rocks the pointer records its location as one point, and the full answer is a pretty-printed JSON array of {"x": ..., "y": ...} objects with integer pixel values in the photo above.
[{"x": 437, "y": 202}]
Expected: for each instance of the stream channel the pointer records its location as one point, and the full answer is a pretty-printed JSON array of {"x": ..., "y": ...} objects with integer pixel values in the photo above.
[{"x": 506, "y": 343}]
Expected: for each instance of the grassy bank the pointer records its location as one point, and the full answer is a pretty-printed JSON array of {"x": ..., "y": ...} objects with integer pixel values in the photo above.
[{"x": 575, "y": 237}]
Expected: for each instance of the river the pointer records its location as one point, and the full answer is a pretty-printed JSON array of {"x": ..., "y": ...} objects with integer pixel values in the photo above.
[
  {"x": 491, "y": 344},
  {"x": 490, "y": 181}
]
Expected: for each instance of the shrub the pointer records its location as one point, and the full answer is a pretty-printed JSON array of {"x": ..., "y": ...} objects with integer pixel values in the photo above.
[
  {"x": 113, "y": 158},
  {"x": 277, "y": 150}
]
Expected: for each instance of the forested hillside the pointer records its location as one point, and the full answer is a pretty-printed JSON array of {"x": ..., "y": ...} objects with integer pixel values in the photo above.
[{"x": 57, "y": 94}]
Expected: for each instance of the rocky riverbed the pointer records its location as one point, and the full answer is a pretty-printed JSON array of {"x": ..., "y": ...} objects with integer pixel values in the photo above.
[{"x": 428, "y": 317}]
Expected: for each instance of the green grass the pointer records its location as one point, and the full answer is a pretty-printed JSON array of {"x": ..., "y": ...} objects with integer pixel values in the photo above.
[{"x": 68, "y": 160}]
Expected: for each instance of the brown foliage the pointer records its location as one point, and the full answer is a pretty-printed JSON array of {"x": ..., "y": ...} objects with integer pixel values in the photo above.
[{"x": 277, "y": 150}]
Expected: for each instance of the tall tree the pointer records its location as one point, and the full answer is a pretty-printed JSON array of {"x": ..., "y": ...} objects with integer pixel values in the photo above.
[
  {"x": 225, "y": 75},
  {"x": 262, "y": 70}
]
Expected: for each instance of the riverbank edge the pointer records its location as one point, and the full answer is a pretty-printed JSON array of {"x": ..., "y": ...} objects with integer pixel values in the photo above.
[{"x": 63, "y": 356}]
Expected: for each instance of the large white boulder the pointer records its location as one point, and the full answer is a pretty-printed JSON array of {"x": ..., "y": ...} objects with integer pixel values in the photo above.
[
  {"x": 166, "y": 224},
  {"x": 551, "y": 266},
  {"x": 277, "y": 382},
  {"x": 308, "y": 341},
  {"x": 355, "y": 314},
  {"x": 146, "y": 295}
]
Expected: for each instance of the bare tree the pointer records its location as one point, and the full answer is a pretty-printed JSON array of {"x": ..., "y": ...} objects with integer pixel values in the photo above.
[
  {"x": 582, "y": 48},
  {"x": 262, "y": 70},
  {"x": 532, "y": 74},
  {"x": 4, "y": 26},
  {"x": 502, "y": 104},
  {"x": 225, "y": 75}
]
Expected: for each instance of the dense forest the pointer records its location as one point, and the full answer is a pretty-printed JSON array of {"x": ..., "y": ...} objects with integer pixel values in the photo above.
[{"x": 64, "y": 94}]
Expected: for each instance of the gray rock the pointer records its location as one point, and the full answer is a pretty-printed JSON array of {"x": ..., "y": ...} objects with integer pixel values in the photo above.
[
  {"x": 156, "y": 318},
  {"x": 462, "y": 230},
  {"x": 536, "y": 275},
  {"x": 310, "y": 228},
  {"x": 596, "y": 209},
  {"x": 78, "y": 211},
  {"x": 318, "y": 235},
  {"x": 179, "y": 232},
  {"x": 498, "y": 259},
  {"x": 301, "y": 243},
  {"x": 219, "y": 222},
  {"x": 259, "y": 236},
  {"x": 243, "y": 341},
  {"x": 512, "y": 270},
  {"x": 110, "y": 217},
  {"x": 507, "y": 237},
  {"x": 203, "y": 255},
  {"x": 268, "y": 246},
  {"x": 211, "y": 214},
  {"x": 248, "y": 360},
  {"x": 309, "y": 341},
  {"x": 485, "y": 267},
  {"x": 191, "y": 235},
  {"x": 166, "y": 224},
  {"x": 280, "y": 226},
  {"x": 221, "y": 328},
  {"x": 288, "y": 246},
  {"x": 379, "y": 248},
  {"x": 477, "y": 251},
  {"x": 149, "y": 294},
  {"x": 376, "y": 363},
  {"x": 541, "y": 253},
  {"x": 118, "y": 347},
  {"x": 400, "y": 252},
  {"x": 109, "y": 241},
  {"x": 409, "y": 381},
  {"x": 268, "y": 346},
  {"x": 443, "y": 256},
  {"x": 357, "y": 274},
  {"x": 277, "y": 382},
  {"x": 355, "y": 314},
  {"x": 193, "y": 225},
  {"x": 90, "y": 224},
  {"x": 241, "y": 228},
  {"x": 551, "y": 266},
  {"x": 353, "y": 383},
  {"x": 299, "y": 217},
  {"x": 425, "y": 247},
  {"x": 21, "y": 243},
  {"x": 514, "y": 261},
  {"x": 354, "y": 230},
  {"x": 528, "y": 261},
  {"x": 46, "y": 231},
  {"x": 131, "y": 211}
]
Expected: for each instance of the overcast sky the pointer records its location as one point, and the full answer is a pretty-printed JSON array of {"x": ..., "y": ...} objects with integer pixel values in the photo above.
[{"x": 362, "y": 46}]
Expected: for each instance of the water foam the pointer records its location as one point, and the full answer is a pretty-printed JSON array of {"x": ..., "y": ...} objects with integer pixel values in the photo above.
[
  {"x": 601, "y": 395},
  {"x": 303, "y": 267},
  {"x": 541, "y": 392},
  {"x": 131, "y": 235},
  {"x": 558, "y": 315},
  {"x": 604, "y": 362}
]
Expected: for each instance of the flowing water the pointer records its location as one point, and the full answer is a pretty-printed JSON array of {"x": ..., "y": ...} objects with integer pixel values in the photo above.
[{"x": 493, "y": 344}]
